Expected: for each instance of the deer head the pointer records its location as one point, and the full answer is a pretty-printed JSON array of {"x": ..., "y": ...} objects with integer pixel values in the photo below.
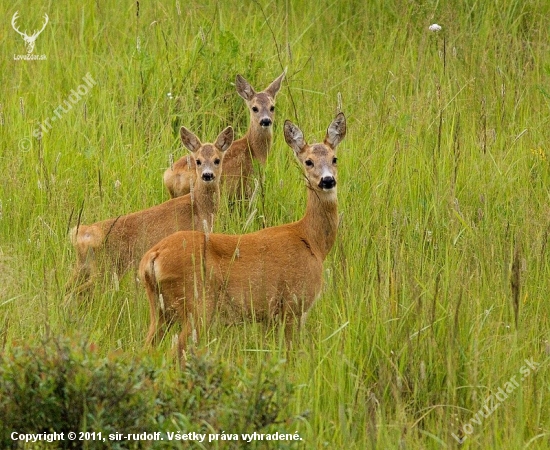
[
  {"x": 261, "y": 104},
  {"x": 29, "y": 40}
]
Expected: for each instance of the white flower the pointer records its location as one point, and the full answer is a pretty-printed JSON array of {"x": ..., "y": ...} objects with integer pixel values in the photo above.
[
  {"x": 434, "y": 27},
  {"x": 169, "y": 95}
]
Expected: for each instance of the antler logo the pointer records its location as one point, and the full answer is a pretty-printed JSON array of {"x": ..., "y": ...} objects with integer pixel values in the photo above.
[{"x": 29, "y": 40}]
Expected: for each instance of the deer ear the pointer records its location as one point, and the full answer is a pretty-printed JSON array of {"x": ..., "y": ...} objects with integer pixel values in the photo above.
[
  {"x": 244, "y": 89},
  {"x": 189, "y": 139},
  {"x": 274, "y": 87},
  {"x": 225, "y": 139},
  {"x": 294, "y": 137},
  {"x": 336, "y": 131}
]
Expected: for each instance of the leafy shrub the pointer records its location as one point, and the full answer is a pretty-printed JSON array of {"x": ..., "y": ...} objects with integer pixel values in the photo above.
[{"x": 61, "y": 386}]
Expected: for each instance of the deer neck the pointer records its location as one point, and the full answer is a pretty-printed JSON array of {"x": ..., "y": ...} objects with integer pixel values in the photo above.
[
  {"x": 259, "y": 141},
  {"x": 206, "y": 200},
  {"x": 320, "y": 222}
]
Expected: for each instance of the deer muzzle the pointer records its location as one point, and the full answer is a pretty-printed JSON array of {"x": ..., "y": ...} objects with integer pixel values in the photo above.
[
  {"x": 327, "y": 182},
  {"x": 208, "y": 176}
]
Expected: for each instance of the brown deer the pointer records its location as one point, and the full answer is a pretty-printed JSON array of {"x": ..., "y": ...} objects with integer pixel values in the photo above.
[
  {"x": 255, "y": 144},
  {"x": 274, "y": 273},
  {"x": 120, "y": 242}
]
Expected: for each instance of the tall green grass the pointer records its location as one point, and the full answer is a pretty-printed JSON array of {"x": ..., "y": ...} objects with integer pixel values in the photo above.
[{"x": 436, "y": 290}]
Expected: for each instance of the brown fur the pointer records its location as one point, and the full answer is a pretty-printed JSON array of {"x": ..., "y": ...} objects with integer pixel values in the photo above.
[
  {"x": 255, "y": 144},
  {"x": 274, "y": 273},
  {"x": 121, "y": 241}
]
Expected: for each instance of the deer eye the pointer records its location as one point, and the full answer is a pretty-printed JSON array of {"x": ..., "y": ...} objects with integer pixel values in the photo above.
[
  {"x": 272, "y": 108},
  {"x": 198, "y": 162},
  {"x": 217, "y": 161},
  {"x": 309, "y": 163},
  {"x": 255, "y": 109},
  {"x": 334, "y": 160}
]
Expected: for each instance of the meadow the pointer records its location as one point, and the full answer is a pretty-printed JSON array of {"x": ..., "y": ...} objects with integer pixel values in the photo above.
[{"x": 433, "y": 326}]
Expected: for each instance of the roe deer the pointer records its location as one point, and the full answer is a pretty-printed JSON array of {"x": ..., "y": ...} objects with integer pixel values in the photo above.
[
  {"x": 274, "y": 273},
  {"x": 121, "y": 242},
  {"x": 255, "y": 144}
]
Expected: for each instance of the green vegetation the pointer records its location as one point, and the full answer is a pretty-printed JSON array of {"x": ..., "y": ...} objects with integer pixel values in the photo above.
[
  {"x": 436, "y": 289},
  {"x": 56, "y": 385}
]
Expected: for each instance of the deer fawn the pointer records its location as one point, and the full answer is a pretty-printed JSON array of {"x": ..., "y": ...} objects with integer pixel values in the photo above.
[
  {"x": 256, "y": 144},
  {"x": 120, "y": 242},
  {"x": 274, "y": 273}
]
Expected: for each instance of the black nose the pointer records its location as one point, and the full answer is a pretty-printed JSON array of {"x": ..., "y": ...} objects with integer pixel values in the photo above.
[
  {"x": 265, "y": 122},
  {"x": 327, "y": 183},
  {"x": 207, "y": 176}
]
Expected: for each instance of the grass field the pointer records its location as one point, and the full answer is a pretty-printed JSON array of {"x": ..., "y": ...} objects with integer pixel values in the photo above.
[{"x": 434, "y": 322}]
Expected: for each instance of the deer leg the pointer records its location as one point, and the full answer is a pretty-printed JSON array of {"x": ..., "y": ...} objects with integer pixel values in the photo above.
[
  {"x": 186, "y": 331},
  {"x": 152, "y": 334},
  {"x": 80, "y": 283}
]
